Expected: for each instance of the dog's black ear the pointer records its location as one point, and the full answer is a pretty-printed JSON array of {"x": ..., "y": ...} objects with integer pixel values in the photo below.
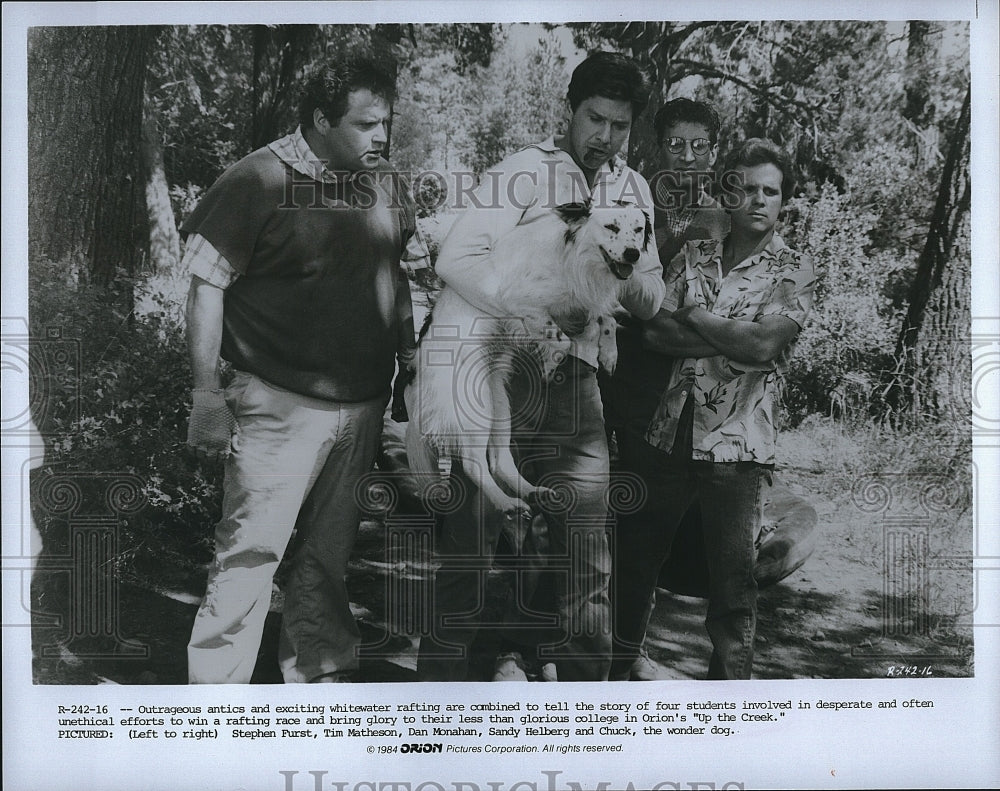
[
  {"x": 573, "y": 212},
  {"x": 648, "y": 235}
]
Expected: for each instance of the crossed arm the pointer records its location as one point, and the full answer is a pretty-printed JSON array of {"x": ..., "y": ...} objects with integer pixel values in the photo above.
[{"x": 693, "y": 331}]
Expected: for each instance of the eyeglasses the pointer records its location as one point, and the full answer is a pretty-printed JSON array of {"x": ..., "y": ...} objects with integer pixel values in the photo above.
[{"x": 676, "y": 145}]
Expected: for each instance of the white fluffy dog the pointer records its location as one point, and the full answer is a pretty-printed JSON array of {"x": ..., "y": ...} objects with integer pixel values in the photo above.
[{"x": 560, "y": 277}]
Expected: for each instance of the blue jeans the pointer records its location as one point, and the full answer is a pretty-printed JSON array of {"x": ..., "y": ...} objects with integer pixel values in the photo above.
[
  {"x": 560, "y": 599},
  {"x": 730, "y": 498}
]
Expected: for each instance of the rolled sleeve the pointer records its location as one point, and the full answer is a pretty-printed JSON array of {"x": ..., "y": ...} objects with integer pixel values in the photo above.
[
  {"x": 793, "y": 292},
  {"x": 202, "y": 260},
  {"x": 416, "y": 255},
  {"x": 675, "y": 283}
]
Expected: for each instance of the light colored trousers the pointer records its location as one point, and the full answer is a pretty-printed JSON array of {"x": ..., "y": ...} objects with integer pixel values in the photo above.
[{"x": 295, "y": 464}]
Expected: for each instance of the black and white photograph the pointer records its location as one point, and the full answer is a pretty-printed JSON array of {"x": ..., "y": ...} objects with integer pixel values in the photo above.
[{"x": 391, "y": 345}]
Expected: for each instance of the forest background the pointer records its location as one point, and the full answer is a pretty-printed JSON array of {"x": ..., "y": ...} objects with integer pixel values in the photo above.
[{"x": 876, "y": 116}]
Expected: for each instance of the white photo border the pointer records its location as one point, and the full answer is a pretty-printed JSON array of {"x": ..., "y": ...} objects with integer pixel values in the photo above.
[{"x": 953, "y": 744}]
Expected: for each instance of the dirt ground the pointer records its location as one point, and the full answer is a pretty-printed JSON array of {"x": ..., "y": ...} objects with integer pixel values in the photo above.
[{"x": 846, "y": 613}]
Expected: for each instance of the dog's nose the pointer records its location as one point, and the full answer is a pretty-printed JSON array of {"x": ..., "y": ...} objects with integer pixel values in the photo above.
[{"x": 631, "y": 255}]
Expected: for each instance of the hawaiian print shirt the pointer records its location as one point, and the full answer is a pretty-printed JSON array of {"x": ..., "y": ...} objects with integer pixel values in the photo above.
[{"x": 734, "y": 403}]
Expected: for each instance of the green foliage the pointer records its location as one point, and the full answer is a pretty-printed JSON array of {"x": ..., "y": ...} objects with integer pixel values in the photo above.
[
  {"x": 431, "y": 87},
  {"x": 893, "y": 193},
  {"x": 525, "y": 101},
  {"x": 831, "y": 92},
  {"x": 844, "y": 354},
  {"x": 472, "y": 44},
  {"x": 482, "y": 110},
  {"x": 197, "y": 90},
  {"x": 219, "y": 91},
  {"x": 123, "y": 409}
]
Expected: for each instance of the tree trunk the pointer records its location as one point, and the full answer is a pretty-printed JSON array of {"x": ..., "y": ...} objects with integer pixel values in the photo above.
[
  {"x": 920, "y": 48},
  {"x": 933, "y": 345},
  {"x": 86, "y": 200},
  {"x": 943, "y": 356},
  {"x": 923, "y": 42},
  {"x": 164, "y": 241},
  {"x": 261, "y": 35},
  {"x": 651, "y": 47},
  {"x": 280, "y": 56},
  {"x": 389, "y": 45}
]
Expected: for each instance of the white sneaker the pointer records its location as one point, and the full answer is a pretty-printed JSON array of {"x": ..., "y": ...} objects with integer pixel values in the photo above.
[
  {"x": 509, "y": 667},
  {"x": 645, "y": 669},
  {"x": 331, "y": 678}
]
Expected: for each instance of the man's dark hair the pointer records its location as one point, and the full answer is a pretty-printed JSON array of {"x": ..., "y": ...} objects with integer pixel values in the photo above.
[
  {"x": 611, "y": 76},
  {"x": 761, "y": 151},
  {"x": 329, "y": 86},
  {"x": 681, "y": 110}
]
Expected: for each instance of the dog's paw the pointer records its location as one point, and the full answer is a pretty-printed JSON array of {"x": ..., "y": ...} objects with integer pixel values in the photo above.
[
  {"x": 607, "y": 359},
  {"x": 518, "y": 511},
  {"x": 607, "y": 343}
]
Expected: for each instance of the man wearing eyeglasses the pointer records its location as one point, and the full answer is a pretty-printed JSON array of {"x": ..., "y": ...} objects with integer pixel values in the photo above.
[{"x": 688, "y": 135}]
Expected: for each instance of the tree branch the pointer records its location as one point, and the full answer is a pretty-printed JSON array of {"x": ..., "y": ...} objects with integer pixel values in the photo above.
[
  {"x": 678, "y": 37},
  {"x": 686, "y": 67}
]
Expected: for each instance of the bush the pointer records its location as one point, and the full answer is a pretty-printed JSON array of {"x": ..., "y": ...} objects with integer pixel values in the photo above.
[
  {"x": 846, "y": 350},
  {"x": 132, "y": 387}
]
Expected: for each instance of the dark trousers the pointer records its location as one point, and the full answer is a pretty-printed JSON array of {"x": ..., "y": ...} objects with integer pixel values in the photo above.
[
  {"x": 730, "y": 498},
  {"x": 559, "y": 602}
]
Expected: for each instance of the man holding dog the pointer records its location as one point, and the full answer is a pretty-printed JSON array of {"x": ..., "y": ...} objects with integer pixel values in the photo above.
[
  {"x": 732, "y": 312},
  {"x": 687, "y": 132},
  {"x": 562, "y": 590},
  {"x": 294, "y": 254}
]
